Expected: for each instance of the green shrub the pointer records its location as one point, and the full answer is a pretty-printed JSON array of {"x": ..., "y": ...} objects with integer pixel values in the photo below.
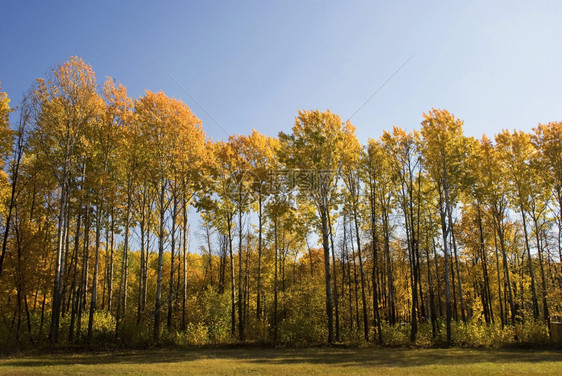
[
  {"x": 194, "y": 334},
  {"x": 532, "y": 332},
  {"x": 395, "y": 335},
  {"x": 215, "y": 315},
  {"x": 134, "y": 334},
  {"x": 303, "y": 320}
]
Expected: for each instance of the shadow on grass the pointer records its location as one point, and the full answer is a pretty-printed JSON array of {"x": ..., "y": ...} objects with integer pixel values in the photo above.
[{"x": 371, "y": 357}]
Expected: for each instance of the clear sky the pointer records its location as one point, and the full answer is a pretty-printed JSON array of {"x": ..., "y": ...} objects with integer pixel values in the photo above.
[{"x": 254, "y": 64}]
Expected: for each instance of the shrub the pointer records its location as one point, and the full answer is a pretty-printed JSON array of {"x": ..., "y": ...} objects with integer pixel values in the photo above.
[
  {"x": 395, "y": 335},
  {"x": 195, "y": 334},
  {"x": 532, "y": 332}
]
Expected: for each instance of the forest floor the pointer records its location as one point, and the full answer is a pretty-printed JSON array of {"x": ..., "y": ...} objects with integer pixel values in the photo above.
[{"x": 308, "y": 361}]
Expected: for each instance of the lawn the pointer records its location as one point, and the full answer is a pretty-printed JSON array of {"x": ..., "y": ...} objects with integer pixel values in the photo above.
[{"x": 311, "y": 361}]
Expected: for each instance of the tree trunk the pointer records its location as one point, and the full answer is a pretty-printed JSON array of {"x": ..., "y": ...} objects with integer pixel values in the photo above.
[
  {"x": 546, "y": 314},
  {"x": 448, "y": 307},
  {"x": 240, "y": 300},
  {"x": 172, "y": 260},
  {"x": 531, "y": 272},
  {"x": 362, "y": 273},
  {"x": 158, "y": 307},
  {"x": 59, "y": 261},
  {"x": 260, "y": 230},
  {"x": 326, "y": 246},
  {"x": 83, "y": 289},
  {"x": 336, "y": 300},
  {"x": 94, "y": 297},
  {"x": 184, "y": 246},
  {"x": 275, "y": 283},
  {"x": 111, "y": 263},
  {"x": 232, "y": 279},
  {"x": 459, "y": 279}
]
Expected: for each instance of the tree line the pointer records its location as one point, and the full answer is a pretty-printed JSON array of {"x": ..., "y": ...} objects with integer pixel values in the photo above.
[{"x": 308, "y": 236}]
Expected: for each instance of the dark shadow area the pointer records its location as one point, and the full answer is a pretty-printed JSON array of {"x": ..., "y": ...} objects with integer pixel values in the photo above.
[{"x": 371, "y": 357}]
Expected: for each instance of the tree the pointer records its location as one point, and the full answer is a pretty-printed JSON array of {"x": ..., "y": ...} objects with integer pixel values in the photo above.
[
  {"x": 105, "y": 137},
  {"x": 401, "y": 148},
  {"x": 547, "y": 140},
  {"x": 5, "y": 148},
  {"x": 259, "y": 152},
  {"x": 351, "y": 178},
  {"x": 167, "y": 125},
  {"x": 495, "y": 186},
  {"x": 474, "y": 191},
  {"x": 218, "y": 202},
  {"x": 443, "y": 153},
  {"x": 516, "y": 152},
  {"x": 68, "y": 104},
  {"x": 315, "y": 147},
  {"x": 372, "y": 168}
]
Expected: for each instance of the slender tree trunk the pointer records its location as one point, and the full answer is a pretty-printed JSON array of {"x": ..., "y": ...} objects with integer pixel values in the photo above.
[
  {"x": 362, "y": 273},
  {"x": 94, "y": 297},
  {"x": 148, "y": 252},
  {"x": 506, "y": 272},
  {"x": 453, "y": 285},
  {"x": 232, "y": 279},
  {"x": 448, "y": 307},
  {"x": 437, "y": 280},
  {"x": 172, "y": 261},
  {"x": 502, "y": 314},
  {"x": 185, "y": 230},
  {"x": 122, "y": 298},
  {"x": 240, "y": 300},
  {"x": 485, "y": 275},
  {"x": 336, "y": 300},
  {"x": 326, "y": 245},
  {"x": 143, "y": 256},
  {"x": 413, "y": 280},
  {"x": 459, "y": 279},
  {"x": 15, "y": 175},
  {"x": 222, "y": 263},
  {"x": 531, "y": 272},
  {"x": 111, "y": 263},
  {"x": 546, "y": 314},
  {"x": 75, "y": 288},
  {"x": 355, "y": 281},
  {"x": 260, "y": 230},
  {"x": 432, "y": 313},
  {"x": 84, "y": 280},
  {"x": 158, "y": 307},
  {"x": 105, "y": 267},
  {"x": 344, "y": 261},
  {"x": 59, "y": 261},
  {"x": 275, "y": 283},
  {"x": 390, "y": 277},
  {"x": 374, "y": 245}
]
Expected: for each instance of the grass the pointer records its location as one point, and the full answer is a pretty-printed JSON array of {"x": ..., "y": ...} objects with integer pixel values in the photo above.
[{"x": 310, "y": 361}]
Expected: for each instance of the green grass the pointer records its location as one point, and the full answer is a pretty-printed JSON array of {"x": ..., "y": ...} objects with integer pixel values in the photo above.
[{"x": 310, "y": 361}]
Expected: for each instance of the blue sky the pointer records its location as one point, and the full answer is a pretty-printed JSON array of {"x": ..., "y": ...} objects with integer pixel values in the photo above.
[{"x": 254, "y": 64}]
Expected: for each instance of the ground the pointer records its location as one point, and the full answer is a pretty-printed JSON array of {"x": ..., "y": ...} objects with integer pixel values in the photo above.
[{"x": 311, "y": 361}]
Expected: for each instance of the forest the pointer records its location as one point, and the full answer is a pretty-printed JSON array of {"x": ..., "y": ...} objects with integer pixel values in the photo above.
[{"x": 418, "y": 237}]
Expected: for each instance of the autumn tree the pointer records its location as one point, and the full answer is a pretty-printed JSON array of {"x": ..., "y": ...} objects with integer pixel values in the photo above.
[
  {"x": 316, "y": 146},
  {"x": 69, "y": 104},
  {"x": 350, "y": 173},
  {"x": 402, "y": 151},
  {"x": 547, "y": 139},
  {"x": 443, "y": 153},
  {"x": 259, "y": 152},
  {"x": 495, "y": 191},
  {"x": 5, "y": 148},
  {"x": 167, "y": 125}
]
